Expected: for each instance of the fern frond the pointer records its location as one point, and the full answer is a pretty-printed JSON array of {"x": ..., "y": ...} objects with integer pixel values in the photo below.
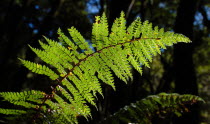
[
  {"x": 144, "y": 110},
  {"x": 79, "y": 69}
]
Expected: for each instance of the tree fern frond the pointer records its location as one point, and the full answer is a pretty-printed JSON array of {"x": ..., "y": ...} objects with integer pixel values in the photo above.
[
  {"x": 144, "y": 110},
  {"x": 80, "y": 69}
]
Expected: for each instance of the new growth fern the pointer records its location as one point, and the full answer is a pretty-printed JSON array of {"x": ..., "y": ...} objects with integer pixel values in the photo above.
[{"x": 79, "y": 68}]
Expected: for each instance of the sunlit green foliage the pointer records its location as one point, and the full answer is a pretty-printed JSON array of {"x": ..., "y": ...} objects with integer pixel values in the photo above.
[{"x": 79, "y": 68}]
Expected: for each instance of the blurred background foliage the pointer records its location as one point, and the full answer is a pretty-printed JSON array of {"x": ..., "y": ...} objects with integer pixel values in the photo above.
[{"x": 182, "y": 69}]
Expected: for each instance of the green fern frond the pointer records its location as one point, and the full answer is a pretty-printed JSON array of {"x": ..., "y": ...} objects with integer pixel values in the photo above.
[
  {"x": 81, "y": 68},
  {"x": 144, "y": 110},
  {"x": 78, "y": 68}
]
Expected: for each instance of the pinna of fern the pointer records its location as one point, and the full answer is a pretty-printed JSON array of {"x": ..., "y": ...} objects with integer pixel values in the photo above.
[{"x": 80, "y": 69}]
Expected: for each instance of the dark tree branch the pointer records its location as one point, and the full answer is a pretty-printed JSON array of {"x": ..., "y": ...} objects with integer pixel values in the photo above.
[{"x": 129, "y": 9}]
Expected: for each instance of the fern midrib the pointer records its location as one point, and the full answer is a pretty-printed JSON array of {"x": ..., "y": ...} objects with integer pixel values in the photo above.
[{"x": 99, "y": 51}]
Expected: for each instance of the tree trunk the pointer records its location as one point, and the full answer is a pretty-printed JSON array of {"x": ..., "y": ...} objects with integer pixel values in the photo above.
[{"x": 185, "y": 78}]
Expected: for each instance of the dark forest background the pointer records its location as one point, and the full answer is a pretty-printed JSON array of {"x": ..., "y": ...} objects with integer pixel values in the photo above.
[{"x": 184, "y": 68}]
